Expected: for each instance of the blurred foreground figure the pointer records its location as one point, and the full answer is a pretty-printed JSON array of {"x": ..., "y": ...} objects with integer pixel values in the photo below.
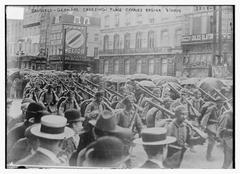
[
  {"x": 51, "y": 133},
  {"x": 106, "y": 151},
  {"x": 154, "y": 141},
  {"x": 225, "y": 132}
]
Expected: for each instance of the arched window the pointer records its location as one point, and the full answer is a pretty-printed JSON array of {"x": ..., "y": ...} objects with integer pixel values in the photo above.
[
  {"x": 151, "y": 39},
  {"x": 116, "y": 41},
  {"x": 127, "y": 41},
  {"x": 139, "y": 66},
  {"x": 86, "y": 21},
  {"x": 139, "y": 40},
  {"x": 105, "y": 42}
]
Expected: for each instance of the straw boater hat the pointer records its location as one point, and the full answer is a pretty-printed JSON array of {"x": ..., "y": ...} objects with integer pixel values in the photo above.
[
  {"x": 154, "y": 136},
  {"x": 52, "y": 127}
]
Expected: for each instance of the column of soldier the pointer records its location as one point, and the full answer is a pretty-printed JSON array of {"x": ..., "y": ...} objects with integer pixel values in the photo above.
[{"x": 70, "y": 121}]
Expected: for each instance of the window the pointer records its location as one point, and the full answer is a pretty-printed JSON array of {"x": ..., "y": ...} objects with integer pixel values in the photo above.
[
  {"x": 116, "y": 67},
  {"x": 196, "y": 25},
  {"x": 139, "y": 66},
  {"x": 116, "y": 41},
  {"x": 128, "y": 19},
  {"x": 164, "y": 66},
  {"x": 139, "y": 40},
  {"x": 151, "y": 20},
  {"x": 165, "y": 37},
  {"x": 86, "y": 21},
  {"x": 139, "y": 18},
  {"x": 106, "y": 42},
  {"x": 77, "y": 20},
  {"x": 151, "y": 39},
  {"x": 127, "y": 66},
  {"x": 57, "y": 19},
  {"x": 106, "y": 63},
  {"x": 178, "y": 36},
  {"x": 151, "y": 67},
  {"x": 116, "y": 20},
  {"x": 106, "y": 21},
  {"x": 95, "y": 52},
  {"x": 127, "y": 41},
  {"x": 96, "y": 37},
  {"x": 209, "y": 24}
]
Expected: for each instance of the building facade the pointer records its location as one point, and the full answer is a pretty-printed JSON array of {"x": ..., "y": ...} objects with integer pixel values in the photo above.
[
  {"x": 44, "y": 34},
  {"x": 141, "y": 41},
  {"x": 207, "y": 42},
  {"x": 14, "y": 37},
  {"x": 53, "y": 34}
]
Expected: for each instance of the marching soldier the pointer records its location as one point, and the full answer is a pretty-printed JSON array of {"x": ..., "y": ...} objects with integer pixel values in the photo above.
[
  {"x": 94, "y": 108},
  {"x": 210, "y": 114},
  {"x": 225, "y": 132},
  {"x": 49, "y": 98},
  {"x": 177, "y": 128},
  {"x": 69, "y": 103},
  {"x": 128, "y": 117}
]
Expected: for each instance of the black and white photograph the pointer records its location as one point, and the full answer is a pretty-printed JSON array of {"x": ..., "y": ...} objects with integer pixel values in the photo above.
[{"x": 119, "y": 86}]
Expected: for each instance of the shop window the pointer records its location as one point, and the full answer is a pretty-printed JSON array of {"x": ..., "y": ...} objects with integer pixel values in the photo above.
[{"x": 106, "y": 66}]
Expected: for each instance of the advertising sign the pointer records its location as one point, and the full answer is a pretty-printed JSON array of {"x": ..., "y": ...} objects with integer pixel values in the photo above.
[{"x": 75, "y": 39}]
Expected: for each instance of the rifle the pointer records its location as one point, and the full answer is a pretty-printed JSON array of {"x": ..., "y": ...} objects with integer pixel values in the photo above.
[{"x": 195, "y": 111}]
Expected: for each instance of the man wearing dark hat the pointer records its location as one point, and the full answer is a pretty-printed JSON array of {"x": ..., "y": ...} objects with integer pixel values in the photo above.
[
  {"x": 107, "y": 151},
  {"x": 74, "y": 122},
  {"x": 51, "y": 132},
  {"x": 94, "y": 108},
  {"x": 154, "y": 141},
  {"x": 105, "y": 125},
  {"x": 33, "y": 115}
]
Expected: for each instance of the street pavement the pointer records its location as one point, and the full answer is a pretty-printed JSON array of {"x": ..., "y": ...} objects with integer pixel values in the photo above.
[{"x": 195, "y": 160}]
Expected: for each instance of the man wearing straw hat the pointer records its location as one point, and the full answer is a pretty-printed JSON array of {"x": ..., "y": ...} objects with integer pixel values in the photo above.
[
  {"x": 51, "y": 132},
  {"x": 154, "y": 141}
]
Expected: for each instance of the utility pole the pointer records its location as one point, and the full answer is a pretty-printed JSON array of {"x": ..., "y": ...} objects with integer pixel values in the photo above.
[
  {"x": 64, "y": 46},
  {"x": 214, "y": 43},
  {"x": 220, "y": 33}
]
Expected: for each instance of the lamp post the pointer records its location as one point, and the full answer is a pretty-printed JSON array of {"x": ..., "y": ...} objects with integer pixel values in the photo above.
[{"x": 19, "y": 53}]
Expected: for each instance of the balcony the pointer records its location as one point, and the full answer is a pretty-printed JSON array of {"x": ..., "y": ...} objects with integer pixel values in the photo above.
[{"x": 162, "y": 50}]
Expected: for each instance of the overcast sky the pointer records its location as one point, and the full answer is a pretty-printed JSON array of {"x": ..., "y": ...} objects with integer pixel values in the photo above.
[{"x": 14, "y": 12}]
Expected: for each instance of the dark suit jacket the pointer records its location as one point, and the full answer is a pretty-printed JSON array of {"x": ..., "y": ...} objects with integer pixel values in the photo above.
[
  {"x": 15, "y": 134},
  {"x": 20, "y": 150},
  {"x": 37, "y": 158},
  {"x": 150, "y": 165}
]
